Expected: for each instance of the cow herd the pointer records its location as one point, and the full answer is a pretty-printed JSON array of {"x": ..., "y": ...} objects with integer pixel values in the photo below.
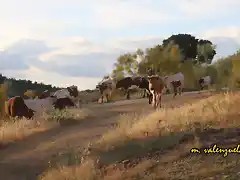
[
  {"x": 29, "y": 108},
  {"x": 154, "y": 85}
]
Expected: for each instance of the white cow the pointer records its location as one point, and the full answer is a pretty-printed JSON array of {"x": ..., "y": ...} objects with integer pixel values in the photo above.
[
  {"x": 175, "y": 82},
  {"x": 205, "y": 82},
  {"x": 70, "y": 92},
  {"x": 40, "y": 105}
]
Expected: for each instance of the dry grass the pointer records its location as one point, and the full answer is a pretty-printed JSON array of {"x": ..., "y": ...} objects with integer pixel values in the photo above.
[
  {"x": 158, "y": 146},
  {"x": 12, "y": 130},
  {"x": 68, "y": 116}
]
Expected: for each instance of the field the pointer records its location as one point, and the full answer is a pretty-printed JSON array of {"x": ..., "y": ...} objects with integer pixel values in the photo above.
[{"x": 127, "y": 140}]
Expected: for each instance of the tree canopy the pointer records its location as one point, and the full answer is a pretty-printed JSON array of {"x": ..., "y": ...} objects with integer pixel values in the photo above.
[{"x": 167, "y": 58}]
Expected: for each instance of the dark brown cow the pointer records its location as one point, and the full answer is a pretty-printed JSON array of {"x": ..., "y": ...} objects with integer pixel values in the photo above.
[
  {"x": 142, "y": 83},
  {"x": 15, "y": 106},
  {"x": 62, "y": 103},
  {"x": 125, "y": 84}
]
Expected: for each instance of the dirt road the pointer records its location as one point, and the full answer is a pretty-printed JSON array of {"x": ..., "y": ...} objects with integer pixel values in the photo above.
[{"x": 26, "y": 159}]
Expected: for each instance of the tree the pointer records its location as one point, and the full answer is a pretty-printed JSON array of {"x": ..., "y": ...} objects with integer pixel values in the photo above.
[
  {"x": 163, "y": 60},
  {"x": 30, "y": 94},
  {"x": 187, "y": 69},
  {"x": 191, "y": 47},
  {"x": 126, "y": 65},
  {"x": 186, "y": 42},
  {"x": 224, "y": 70},
  {"x": 205, "y": 51},
  {"x": 212, "y": 72}
]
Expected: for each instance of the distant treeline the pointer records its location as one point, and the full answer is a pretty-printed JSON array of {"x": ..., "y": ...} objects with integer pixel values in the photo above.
[{"x": 17, "y": 87}]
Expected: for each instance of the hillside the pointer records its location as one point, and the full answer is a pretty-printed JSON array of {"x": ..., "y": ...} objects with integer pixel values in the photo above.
[{"x": 19, "y": 86}]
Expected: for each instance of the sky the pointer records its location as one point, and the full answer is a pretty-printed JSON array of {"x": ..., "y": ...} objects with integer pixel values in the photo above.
[{"x": 76, "y": 42}]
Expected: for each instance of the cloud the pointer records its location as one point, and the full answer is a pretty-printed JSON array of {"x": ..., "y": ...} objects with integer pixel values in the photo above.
[
  {"x": 63, "y": 60},
  {"x": 85, "y": 65},
  {"x": 12, "y": 62},
  {"x": 207, "y": 8},
  {"x": 35, "y": 74},
  {"x": 121, "y": 14},
  {"x": 19, "y": 55},
  {"x": 82, "y": 39}
]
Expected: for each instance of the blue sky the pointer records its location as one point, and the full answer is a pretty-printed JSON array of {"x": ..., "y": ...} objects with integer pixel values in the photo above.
[{"x": 76, "y": 42}]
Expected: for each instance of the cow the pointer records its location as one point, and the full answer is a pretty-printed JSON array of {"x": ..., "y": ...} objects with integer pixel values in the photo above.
[
  {"x": 106, "y": 88},
  {"x": 41, "y": 105},
  {"x": 176, "y": 87},
  {"x": 156, "y": 87},
  {"x": 70, "y": 92},
  {"x": 62, "y": 103},
  {"x": 142, "y": 83},
  {"x": 44, "y": 94},
  {"x": 175, "y": 82},
  {"x": 15, "y": 107},
  {"x": 125, "y": 84},
  {"x": 204, "y": 82}
]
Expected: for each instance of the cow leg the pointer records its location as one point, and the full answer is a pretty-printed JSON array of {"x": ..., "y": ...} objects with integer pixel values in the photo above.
[
  {"x": 107, "y": 97},
  {"x": 150, "y": 99},
  {"x": 128, "y": 93},
  {"x": 180, "y": 91},
  {"x": 175, "y": 92},
  {"x": 154, "y": 102},
  {"x": 102, "y": 98},
  {"x": 144, "y": 91},
  {"x": 159, "y": 100}
]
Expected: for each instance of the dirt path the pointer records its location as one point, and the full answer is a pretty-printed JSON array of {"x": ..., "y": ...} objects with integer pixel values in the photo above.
[{"x": 26, "y": 159}]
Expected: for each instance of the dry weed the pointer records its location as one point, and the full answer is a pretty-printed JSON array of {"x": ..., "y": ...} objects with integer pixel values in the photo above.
[
  {"x": 68, "y": 116},
  {"x": 18, "y": 129},
  {"x": 159, "y": 131}
]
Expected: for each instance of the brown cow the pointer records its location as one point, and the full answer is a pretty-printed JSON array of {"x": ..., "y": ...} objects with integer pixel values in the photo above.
[
  {"x": 62, "y": 103},
  {"x": 15, "y": 106},
  {"x": 156, "y": 86}
]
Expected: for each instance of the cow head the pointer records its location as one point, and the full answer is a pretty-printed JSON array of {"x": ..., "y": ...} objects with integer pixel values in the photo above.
[
  {"x": 152, "y": 81},
  {"x": 73, "y": 91},
  {"x": 101, "y": 87},
  {"x": 30, "y": 113},
  {"x": 44, "y": 94},
  {"x": 201, "y": 81}
]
